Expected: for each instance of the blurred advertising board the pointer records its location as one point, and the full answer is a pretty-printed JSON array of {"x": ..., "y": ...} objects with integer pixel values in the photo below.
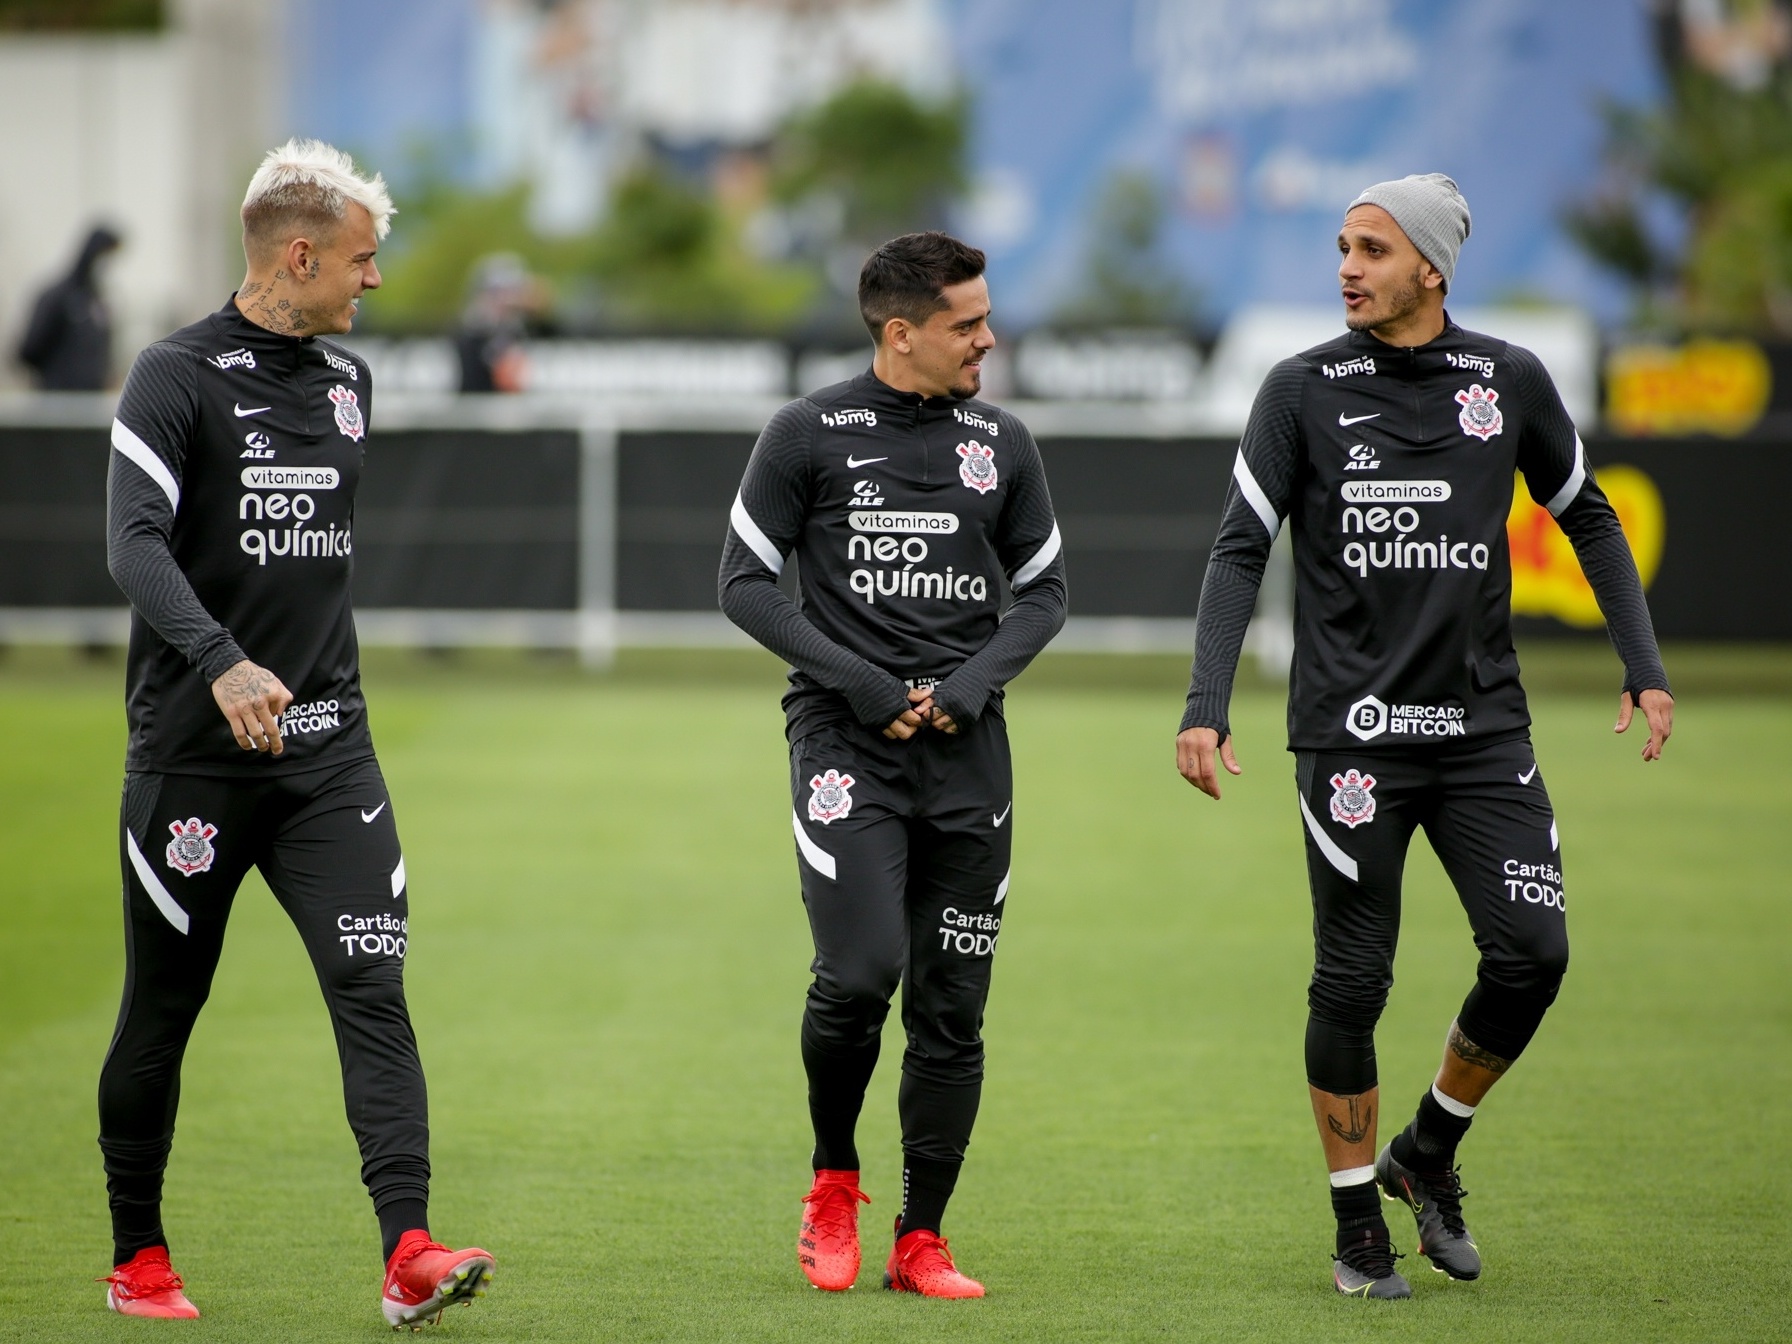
[
  {"x": 1701, "y": 387},
  {"x": 491, "y": 513}
]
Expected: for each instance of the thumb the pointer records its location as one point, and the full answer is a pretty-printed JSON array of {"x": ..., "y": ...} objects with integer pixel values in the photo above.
[{"x": 1625, "y": 709}]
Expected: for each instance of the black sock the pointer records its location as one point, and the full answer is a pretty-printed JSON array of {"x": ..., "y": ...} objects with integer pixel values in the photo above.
[
  {"x": 399, "y": 1217},
  {"x": 926, "y": 1187},
  {"x": 1429, "y": 1142},
  {"x": 134, "y": 1190},
  {"x": 836, "y": 1094},
  {"x": 1358, "y": 1210}
]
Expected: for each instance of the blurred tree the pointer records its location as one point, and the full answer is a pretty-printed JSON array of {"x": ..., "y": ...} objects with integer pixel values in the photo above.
[
  {"x": 1127, "y": 281},
  {"x": 667, "y": 256},
  {"x": 65, "y": 15},
  {"x": 894, "y": 162},
  {"x": 1718, "y": 146}
]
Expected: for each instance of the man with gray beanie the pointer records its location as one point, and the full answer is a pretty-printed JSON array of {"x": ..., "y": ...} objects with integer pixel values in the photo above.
[{"x": 1391, "y": 452}]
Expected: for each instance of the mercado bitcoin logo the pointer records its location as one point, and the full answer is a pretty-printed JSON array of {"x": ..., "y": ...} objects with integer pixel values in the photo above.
[{"x": 1546, "y": 576}]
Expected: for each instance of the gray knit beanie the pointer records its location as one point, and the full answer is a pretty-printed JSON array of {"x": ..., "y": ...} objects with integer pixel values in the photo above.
[{"x": 1431, "y": 211}]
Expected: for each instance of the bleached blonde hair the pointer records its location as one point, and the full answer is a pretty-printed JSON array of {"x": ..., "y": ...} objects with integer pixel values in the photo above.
[{"x": 306, "y": 185}]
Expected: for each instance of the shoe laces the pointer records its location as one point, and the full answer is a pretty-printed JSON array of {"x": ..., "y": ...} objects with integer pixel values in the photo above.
[
  {"x": 1446, "y": 1192},
  {"x": 415, "y": 1249},
  {"x": 1373, "y": 1255},
  {"x": 929, "y": 1253},
  {"x": 833, "y": 1208},
  {"x": 150, "y": 1277}
]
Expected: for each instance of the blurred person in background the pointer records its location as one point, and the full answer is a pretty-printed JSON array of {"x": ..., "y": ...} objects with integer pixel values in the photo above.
[
  {"x": 68, "y": 342},
  {"x": 1391, "y": 451},
  {"x": 907, "y": 504},
  {"x": 237, "y": 451},
  {"x": 507, "y": 304}
]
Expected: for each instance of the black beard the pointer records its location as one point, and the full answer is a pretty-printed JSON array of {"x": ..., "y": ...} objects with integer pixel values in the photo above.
[
  {"x": 1403, "y": 303},
  {"x": 964, "y": 391}
]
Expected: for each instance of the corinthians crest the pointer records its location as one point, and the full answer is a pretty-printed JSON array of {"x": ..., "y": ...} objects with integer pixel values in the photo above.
[
  {"x": 978, "y": 470},
  {"x": 830, "y": 801},
  {"x": 191, "y": 849},
  {"x": 348, "y": 412},
  {"x": 1352, "y": 801},
  {"x": 1480, "y": 414}
]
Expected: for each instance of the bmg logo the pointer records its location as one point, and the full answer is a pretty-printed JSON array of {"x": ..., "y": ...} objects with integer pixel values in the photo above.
[{"x": 1367, "y": 718}]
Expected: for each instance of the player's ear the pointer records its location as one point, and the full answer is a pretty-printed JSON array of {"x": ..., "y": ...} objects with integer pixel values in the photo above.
[
  {"x": 899, "y": 336},
  {"x": 1430, "y": 276}
]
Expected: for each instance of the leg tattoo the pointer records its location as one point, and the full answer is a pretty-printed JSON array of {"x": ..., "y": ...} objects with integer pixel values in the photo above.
[
  {"x": 1360, "y": 1125},
  {"x": 1470, "y": 1053}
]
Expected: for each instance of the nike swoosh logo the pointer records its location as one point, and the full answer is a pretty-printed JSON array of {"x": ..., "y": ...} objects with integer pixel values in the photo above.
[
  {"x": 1005, "y": 812},
  {"x": 1525, "y": 778},
  {"x": 253, "y": 410},
  {"x": 369, "y": 816},
  {"x": 1347, "y": 420},
  {"x": 863, "y": 461}
]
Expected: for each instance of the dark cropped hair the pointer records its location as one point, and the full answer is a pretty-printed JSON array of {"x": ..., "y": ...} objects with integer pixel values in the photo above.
[{"x": 904, "y": 278}]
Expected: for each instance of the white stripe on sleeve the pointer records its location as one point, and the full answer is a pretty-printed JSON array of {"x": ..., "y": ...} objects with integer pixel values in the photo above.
[
  {"x": 749, "y": 531},
  {"x": 1327, "y": 846},
  {"x": 1041, "y": 559},
  {"x": 1255, "y": 497},
  {"x": 169, "y": 907},
  {"x": 398, "y": 878},
  {"x": 144, "y": 456},
  {"x": 1576, "y": 479},
  {"x": 819, "y": 859}
]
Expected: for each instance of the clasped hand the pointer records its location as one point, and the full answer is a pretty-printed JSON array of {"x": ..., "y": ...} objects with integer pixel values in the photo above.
[{"x": 922, "y": 712}]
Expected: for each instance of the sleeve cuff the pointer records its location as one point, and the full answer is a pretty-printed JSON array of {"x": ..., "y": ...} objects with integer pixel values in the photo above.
[{"x": 219, "y": 657}]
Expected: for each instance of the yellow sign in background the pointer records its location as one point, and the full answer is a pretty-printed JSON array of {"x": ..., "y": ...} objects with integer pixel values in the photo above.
[{"x": 1546, "y": 576}]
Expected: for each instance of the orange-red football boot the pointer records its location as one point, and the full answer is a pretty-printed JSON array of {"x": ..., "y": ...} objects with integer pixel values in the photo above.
[
  {"x": 827, "y": 1246},
  {"x": 424, "y": 1277},
  {"x": 921, "y": 1263},
  {"x": 146, "y": 1285}
]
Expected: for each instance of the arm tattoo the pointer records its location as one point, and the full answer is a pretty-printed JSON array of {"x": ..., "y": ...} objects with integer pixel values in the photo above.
[
  {"x": 1471, "y": 1053},
  {"x": 246, "y": 681},
  {"x": 1360, "y": 1125}
]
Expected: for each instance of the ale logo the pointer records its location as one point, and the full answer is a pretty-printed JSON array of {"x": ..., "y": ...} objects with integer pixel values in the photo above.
[{"x": 1546, "y": 577}]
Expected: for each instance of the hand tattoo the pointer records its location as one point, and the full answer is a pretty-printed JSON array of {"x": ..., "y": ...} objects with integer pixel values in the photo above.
[
  {"x": 1359, "y": 1125},
  {"x": 246, "y": 681},
  {"x": 1468, "y": 1051}
]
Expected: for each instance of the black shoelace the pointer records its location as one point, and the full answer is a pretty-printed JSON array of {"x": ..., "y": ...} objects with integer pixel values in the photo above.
[
  {"x": 1445, "y": 1190},
  {"x": 1373, "y": 1256}
]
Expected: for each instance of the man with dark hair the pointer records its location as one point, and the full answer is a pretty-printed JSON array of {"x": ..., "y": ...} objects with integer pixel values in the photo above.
[
  {"x": 230, "y": 527},
  {"x": 909, "y": 505},
  {"x": 1391, "y": 451}
]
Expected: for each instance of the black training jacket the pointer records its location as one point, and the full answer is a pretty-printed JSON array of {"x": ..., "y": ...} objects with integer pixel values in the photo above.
[
  {"x": 907, "y": 516},
  {"x": 1395, "y": 471},
  {"x": 230, "y": 527}
]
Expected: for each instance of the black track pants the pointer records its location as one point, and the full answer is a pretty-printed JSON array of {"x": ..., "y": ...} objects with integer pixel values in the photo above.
[
  {"x": 904, "y": 849},
  {"x": 1489, "y": 819},
  {"x": 326, "y": 843}
]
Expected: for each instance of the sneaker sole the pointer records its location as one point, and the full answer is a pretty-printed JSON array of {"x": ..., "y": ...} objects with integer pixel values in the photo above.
[{"x": 467, "y": 1282}]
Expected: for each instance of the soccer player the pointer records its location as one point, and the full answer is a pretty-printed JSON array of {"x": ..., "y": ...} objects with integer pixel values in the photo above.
[
  {"x": 1391, "y": 452},
  {"x": 911, "y": 508},
  {"x": 230, "y": 527}
]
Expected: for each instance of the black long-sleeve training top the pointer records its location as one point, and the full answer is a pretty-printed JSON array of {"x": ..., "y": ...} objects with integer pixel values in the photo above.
[
  {"x": 1395, "y": 470},
  {"x": 906, "y": 516},
  {"x": 230, "y": 505}
]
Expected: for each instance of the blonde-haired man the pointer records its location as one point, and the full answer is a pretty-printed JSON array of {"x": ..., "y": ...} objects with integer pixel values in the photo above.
[{"x": 230, "y": 509}]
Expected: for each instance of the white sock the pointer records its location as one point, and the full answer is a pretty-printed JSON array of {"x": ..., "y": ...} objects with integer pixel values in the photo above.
[
  {"x": 1450, "y": 1104},
  {"x": 1352, "y": 1176}
]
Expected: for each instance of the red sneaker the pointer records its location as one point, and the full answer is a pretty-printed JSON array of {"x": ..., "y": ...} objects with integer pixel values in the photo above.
[
  {"x": 827, "y": 1247},
  {"x": 424, "y": 1277},
  {"x": 146, "y": 1285},
  {"x": 921, "y": 1263}
]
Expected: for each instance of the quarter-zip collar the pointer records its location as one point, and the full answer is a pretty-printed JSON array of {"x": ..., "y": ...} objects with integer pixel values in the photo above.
[
  {"x": 887, "y": 400},
  {"x": 1405, "y": 359},
  {"x": 232, "y": 325}
]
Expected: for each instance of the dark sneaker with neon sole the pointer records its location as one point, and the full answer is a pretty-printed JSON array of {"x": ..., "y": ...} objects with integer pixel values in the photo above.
[{"x": 1435, "y": 1198}]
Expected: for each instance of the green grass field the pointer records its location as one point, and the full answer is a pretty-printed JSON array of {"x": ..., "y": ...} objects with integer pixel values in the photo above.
[{"x": 607, "y": 962}]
